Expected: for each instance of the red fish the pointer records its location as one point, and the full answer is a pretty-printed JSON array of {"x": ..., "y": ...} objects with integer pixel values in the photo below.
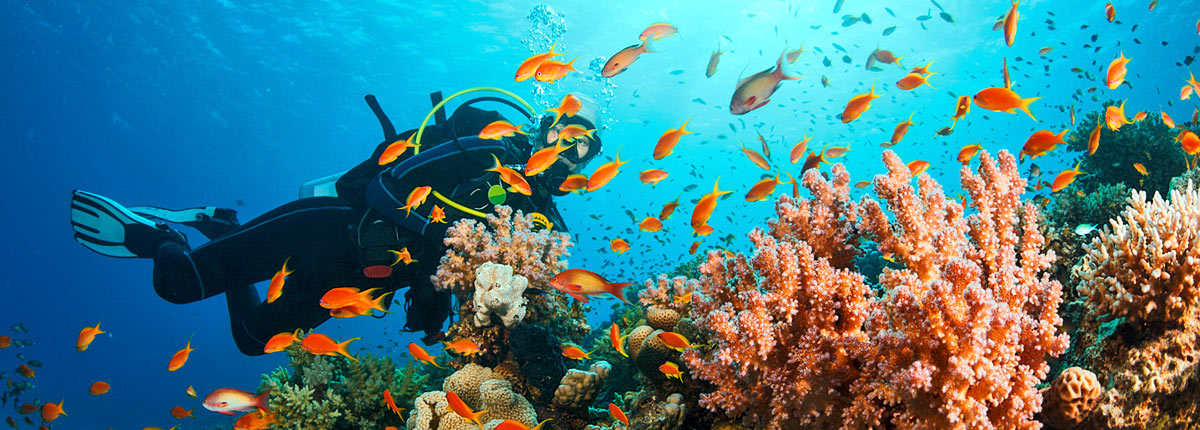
[
  {"x": 668, "y": 209},
  {"x": 517, "y": 425},
  {"x": 24, "y": 370},
  {"x": 1041, "y": 142},
  {"x": 254, "y": 420},
  {"x": 391, "y": 402},
  {"x": 438, "y": 215},
  {"x": 912, "y": 81},
  {"x": 765, "y": 188},
  {"x": 6, "y": 341},
  {"x": 544, "y": 158},
  {"x": 86, "y": 336},
  {"x": 650, "y": 225},
  {"x": 1064, "y": 179},
  {"x": 179, "y": 413},
  {"x": 671, "y": 370},
  {"x": 575, "y": 353},
  {"x": 1114, "y": 117},
  {"x": 916, "y": 167},
  {"x": 675, "y": 341},
  {"x": 462, "y": 346},
  {"x": 579, "y": 283},
  {"x": 618, "y": 246},
  {"x": 968, "y": 152},
  {"x": 51, "y": 411},
  {"x": 275, "y": 289},
  {"x": 228, "y": 401},
  {"x": 668, "y": 140},
  {"x": 899, "y": 132},
  {"x": 857, "y": 105},
  {"x": 624, "y": 58},
  {"x": 181, "y": 357},
  {"x": 574, "y": 183},
  {"x": 551, "y": 71},
  {"x": 756, "y": 90},
  {"x": 98, "y": 388},
  {"x": 319, "y": 344}
]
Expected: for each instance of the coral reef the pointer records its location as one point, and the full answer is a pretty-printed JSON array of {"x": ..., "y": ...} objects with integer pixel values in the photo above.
[
  {"x": 499, "y": 293},
  {"x": 537, "y": 353},
  {"x": 536, "y": 255},
  {"x": 480, "y": 388},
  {"x": 579, "y": 387},
  {"x": 663, "y": 291},
  {"x": 785, "y": 323},
  {"x": 335, "y": 393},
  {"x": 1145, "y": 269},
  {"x": 961, "y": 338},
  {"x": 1070, "y": 399}
]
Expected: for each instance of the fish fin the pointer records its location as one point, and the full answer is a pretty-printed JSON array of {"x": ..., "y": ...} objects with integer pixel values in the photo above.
[
  {"x": 261, "y": 402},
  {"x": 648, "y": 45},
  {"x": 1025, "y": 106},
  {"x": 578, "y": 296},
  {"x": 781, "y": 68},
  {"x": 618, "y": 290}
]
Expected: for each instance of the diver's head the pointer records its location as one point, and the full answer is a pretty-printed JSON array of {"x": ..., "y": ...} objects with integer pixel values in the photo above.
[{"x": 584, "y": 149}]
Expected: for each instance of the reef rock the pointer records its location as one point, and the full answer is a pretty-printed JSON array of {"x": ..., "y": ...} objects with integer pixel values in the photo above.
[
  {"x": 579, "y": 387},
  {"x": 1070, "y": 398},
  {"x": 500, "y": 293},
  {"x": 466, "y": 382},
  {"x": 503, "y": 404}
]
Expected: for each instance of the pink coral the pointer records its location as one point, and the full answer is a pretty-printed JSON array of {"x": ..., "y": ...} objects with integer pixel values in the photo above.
[
  {"x": 785, "y": 323},
  {"x": 961, "y": 338},
  {"x": 663, "y": 292}
]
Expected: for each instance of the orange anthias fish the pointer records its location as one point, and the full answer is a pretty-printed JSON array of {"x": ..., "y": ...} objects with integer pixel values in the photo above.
[
  {"x": 1003, "y": 100},
  {"x": 618, "y": 246},
  {"x": 857, "y": 105},
  {"x": 579, "y": 283},
  {"x": 968, "y": 152},
  {"x": 1138, "y": 117},
  {"x": 575, "y": 353},
  {"x": 1114, "y": 117},
  {"x": 6, "y": 341},
  {"x": 703, "y": 230},
  {"x": 668, "y": 209},
  {"x": 624, "y": 58},
  {"x": 799, "y": 149},
  {"x": 401, "y": 255},
  {"x": 755, "y": 90},
  {"x": 86, "y": 336},
  {"x": 671, "y": 370},
  {"x": 463, "y": 346},
  {"x": 281, "y": 341},
  {"x": 675, "y": 341},
  {"x": 1189, "y": 142},
  {"x": 916, "y": 167},
  {"x": 1094, "y": 138},
  {"x": 98, "y": 388},
  {"x": 605, "y": 173},
  {"x": 363, "y": 305},
  {"x": 499, "y": 129},
  {"x": 614, "y": 335},
  {"x": 574, "y": 183},
  {"x": 706, "y": 205},
  {"x": 551, "y": 70},
  {"x": 766, "y": 149},
  {"x": 416, "y": 198},
  {"x": 25, "y": 370},
  {"x": 658, "y": 31},
  {"x": 390, "y": 402},
  {"x": 1116, "y": 71},
  {"x": 684, "y": 299},
  {"x": 571, "y": 132},
  {"x": 899, "y": 132},
  {"x": 396, "y": 149},
  {"x": 1041, "y": 142},
  {"x": 1166, "y": 119},
  {"x": 1064, "y": 179},
  {"x": 254, "y": 420},
  {"x": 617, "y": 414},
  {"x": 1141, "y": 169},
  {"x": 569, "y": 106},
  {"x": 27, "y": 409},
  {"x": 924, "y": 70},
  {"x": 459, "y": 407},
  {"x": 1109, "y": 12},
  {"x": 229, "y": 401},
  {"x": 191, "y": 392},
  {"x": 544, "y": 158},
  {"x": 319, "y": 344},
  {"x": 650, "y": 225},
  {"x": 961, "y": 108},
  {"x": 531, "y": 64},
  {"x": 438, "y": 214},
  {"x": 912, "y": 81},
  {"x": 1010, "y": 23},
  {"x": 275, "y": 289},
  {"x": 51, "y": 411},
  {"x": 511, "y": 177},
  {"x": 695, "y": 246},
  {"x": 180, "y": 413},
  {"x": 181, "y": 357},
  {"x": 668, "y": 140},
  {"x": 813, "y": 161},
  {"x": 764, "y": 188},
  {"x": 835, "y": 152},
  {"x": 1186, "y": 92},
  {"x": 517, "y": 425},
  {"x": 652, "y": 176},
  {"x": 755, "y": 157},
  {"x": 419, "y": 353}
]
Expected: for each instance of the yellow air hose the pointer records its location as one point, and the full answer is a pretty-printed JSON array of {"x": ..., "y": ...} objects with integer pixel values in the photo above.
[{"x": 421, "y": 129}]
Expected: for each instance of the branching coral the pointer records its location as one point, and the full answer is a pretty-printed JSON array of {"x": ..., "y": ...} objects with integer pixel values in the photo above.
[
  {"x": 785, "y": 323},
  {"x": 961, "y": 337},
  {"x": 1146, "y": 268}
]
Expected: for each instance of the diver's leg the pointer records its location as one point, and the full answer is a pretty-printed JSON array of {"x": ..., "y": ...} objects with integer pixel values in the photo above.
[
  {"x": 253, "y": 322},
  {"x": 255, "y": 251}
]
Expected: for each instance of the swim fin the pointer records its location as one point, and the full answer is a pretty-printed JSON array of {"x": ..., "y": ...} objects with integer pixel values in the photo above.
[
  {"x": 210, "y": 221},
  {"x": 104, "y": 226}
]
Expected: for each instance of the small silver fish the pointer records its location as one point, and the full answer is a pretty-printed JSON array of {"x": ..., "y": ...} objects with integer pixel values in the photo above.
[
  {"x": 1084, "y": 229},
  {"x": 755, "y": 91}
]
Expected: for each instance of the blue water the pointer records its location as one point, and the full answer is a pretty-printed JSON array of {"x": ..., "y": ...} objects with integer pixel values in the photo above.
[{"x": 180, "y": 104}]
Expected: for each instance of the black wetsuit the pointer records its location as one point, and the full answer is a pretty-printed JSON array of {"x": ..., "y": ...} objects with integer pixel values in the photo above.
[{"x": 331, "y": 240}]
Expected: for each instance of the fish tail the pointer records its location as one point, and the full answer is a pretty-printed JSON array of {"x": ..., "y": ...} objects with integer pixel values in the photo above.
[
  {"x": 518, "y": 129},
  {"x": 377, "y": 304},
  {"x": 261, "y": 401},
  {"x": 897, "y": 61},
  {"x": 570, "y": 64},
  {"x": 1025, "y": 106},
  {"x": 783, "y": 70},
  {"x": 618, "y": 289},
  {"x": 342, "y": 349},
  {"x": 648, "y": 45}
]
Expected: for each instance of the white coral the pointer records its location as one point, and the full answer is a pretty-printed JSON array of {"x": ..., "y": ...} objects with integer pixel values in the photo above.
[{"x": 499, "y": 292}]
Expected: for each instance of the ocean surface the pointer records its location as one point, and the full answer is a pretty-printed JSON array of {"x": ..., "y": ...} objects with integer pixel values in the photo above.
[{"x": 235, "y": 104}]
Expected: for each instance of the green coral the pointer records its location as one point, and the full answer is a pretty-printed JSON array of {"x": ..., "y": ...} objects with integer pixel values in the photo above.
[
  {"x": 1149, "y": 142},
  {"x": 320, "y": 392}
]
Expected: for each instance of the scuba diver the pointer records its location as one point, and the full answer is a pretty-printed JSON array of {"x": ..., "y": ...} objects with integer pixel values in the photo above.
[{"x": 345, "y": 229}]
